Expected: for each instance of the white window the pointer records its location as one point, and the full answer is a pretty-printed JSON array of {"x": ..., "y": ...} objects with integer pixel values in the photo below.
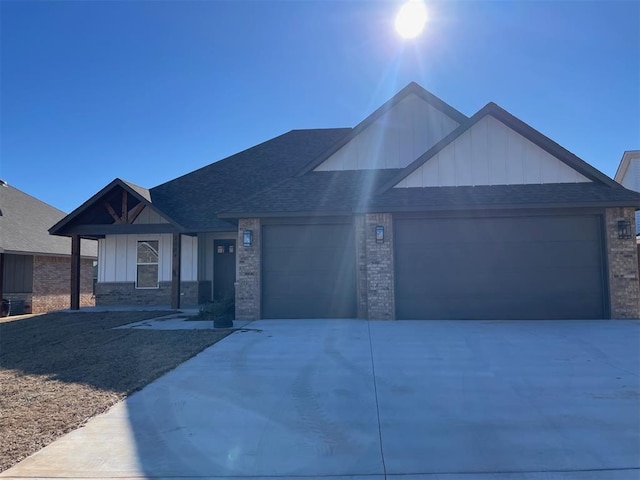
[{"x": 147, "y": 264}]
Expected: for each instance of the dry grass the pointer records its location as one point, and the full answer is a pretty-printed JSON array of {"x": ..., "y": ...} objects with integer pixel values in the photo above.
[{"x": 59, "y": 370}]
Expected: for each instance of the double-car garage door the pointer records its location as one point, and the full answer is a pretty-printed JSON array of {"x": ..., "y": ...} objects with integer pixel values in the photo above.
[
  {"x": 445, "y": 268},
  {"x": 547, "y": 267}
]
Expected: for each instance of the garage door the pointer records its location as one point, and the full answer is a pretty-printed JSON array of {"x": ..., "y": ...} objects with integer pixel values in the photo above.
[
  {"x": 504, "y": 268},
  {"x": 308, "y": 271}
]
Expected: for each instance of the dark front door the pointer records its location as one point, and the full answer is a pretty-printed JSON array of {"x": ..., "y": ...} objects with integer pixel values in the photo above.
[{"x": 224, "y": 269}]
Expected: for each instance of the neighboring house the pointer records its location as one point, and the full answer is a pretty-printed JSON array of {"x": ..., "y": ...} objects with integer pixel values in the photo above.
[
  {"x": 628, "y": 175},
  {"x": 416, "y": 212},
  {"x": 35, "y": 266}
]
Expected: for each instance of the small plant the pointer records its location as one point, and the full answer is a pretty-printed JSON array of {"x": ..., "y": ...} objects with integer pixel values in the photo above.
[{"x": 220, "y": 311}]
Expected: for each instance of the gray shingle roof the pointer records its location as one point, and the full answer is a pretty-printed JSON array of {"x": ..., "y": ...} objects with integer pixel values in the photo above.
[
  {"x": 194, "y": 199},
  {"x": 554, "y": 195},
  {"x": 320, "y": 192},
  {"x": 356, "y": 191},
  {"x": 24, "y": 225}
]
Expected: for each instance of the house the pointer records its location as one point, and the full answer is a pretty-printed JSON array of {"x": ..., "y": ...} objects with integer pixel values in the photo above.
[
  {"x": 628, "y": 175},
  {"x": 417, "y": 212},
  {"x": 35, "y": 266}
]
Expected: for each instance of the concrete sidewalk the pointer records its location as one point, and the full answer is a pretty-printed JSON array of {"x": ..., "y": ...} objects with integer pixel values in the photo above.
[{"x": 371, "y": 400}]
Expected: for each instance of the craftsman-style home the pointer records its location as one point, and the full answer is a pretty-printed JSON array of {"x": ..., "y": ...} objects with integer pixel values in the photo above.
[{"x": 418, "y": 212}]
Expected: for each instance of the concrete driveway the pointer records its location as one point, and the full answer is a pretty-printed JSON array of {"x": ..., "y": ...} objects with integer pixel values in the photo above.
[{"x": 355, "y": 399}]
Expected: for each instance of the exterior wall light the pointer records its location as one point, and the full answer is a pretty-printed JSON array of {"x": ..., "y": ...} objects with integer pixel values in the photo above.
[
  {"x": 379, "y": 234},
  {"x": 624, "y": 229},
  {"x": 247, "y": 238}
]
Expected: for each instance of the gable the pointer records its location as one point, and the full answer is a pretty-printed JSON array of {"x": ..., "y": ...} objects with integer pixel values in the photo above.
[
  {"x": 491, "y": 153},
  {"x": 628, "y": 173},
  {"x": 116, "y": 209},
  {"x": 395, "y": 139}
]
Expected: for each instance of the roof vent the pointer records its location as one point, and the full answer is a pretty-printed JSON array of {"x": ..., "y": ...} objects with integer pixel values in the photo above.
[{"x": 3, "y": 183}]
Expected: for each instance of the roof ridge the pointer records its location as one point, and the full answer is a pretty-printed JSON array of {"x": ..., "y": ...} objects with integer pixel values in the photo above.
[{"x": 230, "y": 157}]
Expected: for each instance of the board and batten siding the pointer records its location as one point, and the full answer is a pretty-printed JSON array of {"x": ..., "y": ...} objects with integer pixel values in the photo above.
[
  {"x": 117, "y": 257},
  {"x": 631, "y": 180},
  {"x": 394, "y": 140},
  {"x": 490, "y": 153},
  {"x": 148, "y": 215}
]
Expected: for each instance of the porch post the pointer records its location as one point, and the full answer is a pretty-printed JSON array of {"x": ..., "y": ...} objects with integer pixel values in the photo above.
[
  {"x": 75, "y": 272},
  {"x": 175, "y": 271},
  {"x": 1, "y": 275}
]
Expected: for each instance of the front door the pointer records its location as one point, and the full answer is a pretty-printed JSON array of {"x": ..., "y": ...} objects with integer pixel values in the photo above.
[{"x": 224, "y": 269}]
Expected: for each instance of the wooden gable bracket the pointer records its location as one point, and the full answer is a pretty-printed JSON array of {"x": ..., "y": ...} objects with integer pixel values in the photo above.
[
  {"x": 125, "y": 209},
  {"x": 135, "y": 211},
  {"x": 112, "y": 212},
  {"x": 128, "y": 216}
]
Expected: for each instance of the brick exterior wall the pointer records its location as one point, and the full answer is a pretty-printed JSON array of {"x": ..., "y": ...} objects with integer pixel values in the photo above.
[
  {"x": 622, "y": 259},
  {"x": 52, "y": 283},
  {"x": 361, "y": 266},
  {"x": 248, "y": 288},
  {"x": 380, "y": 279},
  {"x": 109, "y": 294}
]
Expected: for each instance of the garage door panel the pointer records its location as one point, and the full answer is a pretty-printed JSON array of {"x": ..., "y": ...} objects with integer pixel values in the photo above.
[
  {"x": 499, "y": 229},
  {"x": 308, "y": 271},
  {"x": 291, "y": 284},
  {"x": 297, "y": 307},
  {"x": 505, "y": 267},
  {"x": 514, "y": 307},
  {"x": 314, "y": 259},
  {"x": 309, "y": 236},
  {"x": 494, "y": 255},
  {"x": 500, "y": 281}
]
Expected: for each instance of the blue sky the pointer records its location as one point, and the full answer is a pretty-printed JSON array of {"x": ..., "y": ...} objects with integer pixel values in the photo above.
[{"x": 148, "y": 91}]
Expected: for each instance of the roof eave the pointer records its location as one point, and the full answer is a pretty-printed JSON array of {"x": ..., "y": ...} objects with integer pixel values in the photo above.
[{"x": 274, "y": 214}]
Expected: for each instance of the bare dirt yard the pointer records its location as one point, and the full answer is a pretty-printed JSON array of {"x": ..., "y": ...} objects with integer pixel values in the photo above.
[{"x": 58, "y": 370}]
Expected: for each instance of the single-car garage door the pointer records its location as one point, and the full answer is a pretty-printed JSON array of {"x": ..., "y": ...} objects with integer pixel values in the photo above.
[
  {"x": 308, "y": 271},
  {"x": 547, "y": 267}
]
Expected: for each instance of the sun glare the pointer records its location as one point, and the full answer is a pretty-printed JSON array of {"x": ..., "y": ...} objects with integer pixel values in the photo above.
[{"x": 411, "y": 19}]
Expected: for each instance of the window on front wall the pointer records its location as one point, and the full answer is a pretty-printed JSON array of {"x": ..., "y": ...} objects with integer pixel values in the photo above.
[{"x": 147, "y": 264}]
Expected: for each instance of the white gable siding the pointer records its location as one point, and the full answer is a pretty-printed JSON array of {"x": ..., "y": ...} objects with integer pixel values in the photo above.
[
  {"x": 395, "y": 139},
  {"x": 490, "y": 153},
  {"x": 148, "y": 215},
  {"x": 631, "y": 179},
  {"x": 117, "y": 257}
]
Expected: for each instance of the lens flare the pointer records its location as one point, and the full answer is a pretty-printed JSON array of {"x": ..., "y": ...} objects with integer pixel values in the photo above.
[{"x": 411, "y": 19}]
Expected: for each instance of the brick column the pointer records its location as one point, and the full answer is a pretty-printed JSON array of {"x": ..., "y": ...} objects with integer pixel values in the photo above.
[
  {"x": 248, "y": 289},
  {"x": 622, "y": 256},
  {"x": 379, "y": 267},
  {"x": 361, "y": 266}
]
